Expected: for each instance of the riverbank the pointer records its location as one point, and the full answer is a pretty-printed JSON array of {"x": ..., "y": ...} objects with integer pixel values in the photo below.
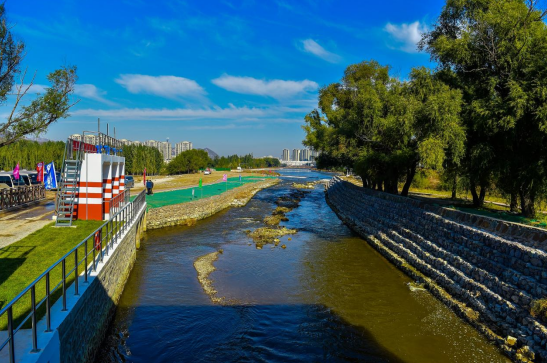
[
  {"x": 489, "y": 277},
  {"x": 190, "y": 212}
]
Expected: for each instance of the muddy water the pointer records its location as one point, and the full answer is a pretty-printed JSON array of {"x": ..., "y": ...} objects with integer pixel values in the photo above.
[{"x": 327, "y": 296}]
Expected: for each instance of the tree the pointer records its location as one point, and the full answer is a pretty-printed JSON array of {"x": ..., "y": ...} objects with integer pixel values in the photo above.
[
  {"x": 495, "y": 51},
  {"x": 43, "y": 110},
  {"x": 384, "y": 127},
  {"x": 189, "y": 161}
]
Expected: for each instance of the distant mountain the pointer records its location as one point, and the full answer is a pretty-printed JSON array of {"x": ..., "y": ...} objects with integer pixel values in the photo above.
[{"x": 211, "y": 153}]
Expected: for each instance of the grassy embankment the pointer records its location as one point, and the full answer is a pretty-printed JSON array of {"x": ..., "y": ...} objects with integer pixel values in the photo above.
[
  {"x": 495, "y": 205},
  {"x": 23, "y": 261}
]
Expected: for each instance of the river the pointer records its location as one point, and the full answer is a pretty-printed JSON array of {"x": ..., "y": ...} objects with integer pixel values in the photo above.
[{"x": 328, "y": 296}]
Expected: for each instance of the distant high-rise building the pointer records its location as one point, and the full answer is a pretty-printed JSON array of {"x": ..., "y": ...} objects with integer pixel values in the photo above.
[
  {"x": 137, "y": 143},
  {"x": 305, "y": 155},
  {"x": 165, "y": 150},
  {"x": 152, "y": 143},
  {"x": 182, "y": 147},
  {"x": 90, "y": 139},
  {"x": 286, "y": 155},
  {"x": 296, "y": 155}
]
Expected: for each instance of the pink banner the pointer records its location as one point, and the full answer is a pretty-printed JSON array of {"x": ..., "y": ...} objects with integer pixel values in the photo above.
[
  {"x": 16, "y": 172},
  {"x": 225, "y": 177}
]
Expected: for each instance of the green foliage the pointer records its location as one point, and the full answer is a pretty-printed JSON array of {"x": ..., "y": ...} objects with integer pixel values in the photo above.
[
  {"x": 138, "y": 157},
  {"x": 189, "y": 161},
  {"x": 45, "y": 109},
  {"x": 384, "y": 127},
  {"x": 539, "y": 308},
  {"x": 245, "y": 161},
  {"x": 495, "y": 52},
  {"x": 29, "y": 153}
]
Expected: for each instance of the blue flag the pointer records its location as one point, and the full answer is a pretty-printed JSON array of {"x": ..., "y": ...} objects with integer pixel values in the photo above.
[
  {"x": 50, "y": 178},
  {"x": 240, "y": 178}
]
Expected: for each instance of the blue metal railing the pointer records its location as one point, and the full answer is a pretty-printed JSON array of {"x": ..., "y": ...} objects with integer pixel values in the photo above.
[{"x": 100, "y": 244}]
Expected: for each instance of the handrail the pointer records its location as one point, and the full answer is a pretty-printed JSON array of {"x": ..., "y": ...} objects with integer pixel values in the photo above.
[{"x": 115, "y": 227}]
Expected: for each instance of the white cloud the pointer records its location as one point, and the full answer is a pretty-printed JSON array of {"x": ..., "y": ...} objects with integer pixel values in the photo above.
[
  {"x": 92, "y": 92},
  {"x": 406, "y": 35},
  {"x": 183, "y": 114},
  {"x": 311, "y": 46},
  {"x": 164, "y": 86},
  {"x": 275, "y": 88}
]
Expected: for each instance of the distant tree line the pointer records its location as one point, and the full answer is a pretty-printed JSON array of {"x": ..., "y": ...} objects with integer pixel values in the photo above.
[
  {"x": 481, "y": 115},
  {"x": 29, "y": 153},
  {"x": 245, "y": 161},
  {"x": 191, "y": 161},
  {"x": 139, "y": 157}
]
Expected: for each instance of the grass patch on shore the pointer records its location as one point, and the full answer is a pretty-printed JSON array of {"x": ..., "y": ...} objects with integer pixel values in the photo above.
[
  {"x": 539, "y": 309},
  {"x": 23, "y": 261}
]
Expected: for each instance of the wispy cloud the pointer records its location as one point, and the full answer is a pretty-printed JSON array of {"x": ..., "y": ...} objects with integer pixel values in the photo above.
[
  {"x": 164, "y": 86},
  {"x": 92, "y": 92},
  {"x": 232, "y": 112},
  {"x": 275, "y": 88},
  {"x": 166, "y": 25},
  {"x": 406, "y": 35},
  {"x": 311, "y": 46}
]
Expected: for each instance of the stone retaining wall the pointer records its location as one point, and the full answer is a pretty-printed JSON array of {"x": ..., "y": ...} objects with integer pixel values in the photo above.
[
  {"x": 489, "y": 274},
  {"x": 187, "y": 213},
  {"x": 83, "y": 330}
]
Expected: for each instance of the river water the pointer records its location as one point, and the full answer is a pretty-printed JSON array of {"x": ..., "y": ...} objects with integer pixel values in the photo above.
[{"x": 328, "y": 296}]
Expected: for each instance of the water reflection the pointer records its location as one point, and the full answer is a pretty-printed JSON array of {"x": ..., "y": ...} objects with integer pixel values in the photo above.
[{"x": 327, "y": 297}]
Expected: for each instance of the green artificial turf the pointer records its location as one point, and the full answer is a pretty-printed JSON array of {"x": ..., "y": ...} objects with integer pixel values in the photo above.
[{"x": 161, "y": 199}]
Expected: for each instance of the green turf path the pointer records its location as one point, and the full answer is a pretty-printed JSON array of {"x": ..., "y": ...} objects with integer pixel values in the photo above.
[{"x": 161, "y": 199}]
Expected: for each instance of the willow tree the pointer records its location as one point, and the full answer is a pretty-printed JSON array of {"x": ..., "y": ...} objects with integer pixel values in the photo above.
[
  {"x": 495, "y": 51},
  {"x": 385, "y": 127}
]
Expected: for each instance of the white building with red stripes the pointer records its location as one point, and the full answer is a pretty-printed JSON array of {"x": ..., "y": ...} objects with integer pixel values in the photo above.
[{"x": 101, "y": 187}]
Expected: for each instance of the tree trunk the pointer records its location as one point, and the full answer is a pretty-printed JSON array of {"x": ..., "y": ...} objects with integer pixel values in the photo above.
[
  {"x": 409, "y": 177},
  {"x": 391, "y": 186},
  {"x": 527, "y": 203},
  {"x": 514, "y": 202},
  {"x": 482, "y": 195},
  {"x": 478, "y": 199},
  {"x": 474, "y": 194},
  {"x": 454, "y": 186}
]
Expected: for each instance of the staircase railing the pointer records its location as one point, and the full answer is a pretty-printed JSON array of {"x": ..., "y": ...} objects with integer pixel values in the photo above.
[{"x": 67, "y": 190}]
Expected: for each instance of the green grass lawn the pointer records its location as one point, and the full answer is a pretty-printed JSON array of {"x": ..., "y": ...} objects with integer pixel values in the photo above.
[
  {"x": 23, "y": 261},
  {"x": 489, "y": 209}
]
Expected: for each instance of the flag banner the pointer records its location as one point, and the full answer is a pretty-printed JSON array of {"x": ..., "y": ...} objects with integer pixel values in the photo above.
[
  {"x": 200, "y": 183},
  {"x": 144, "y": 177},
  {"x": 50, "y": 178},
  {"x": 16, "y": 175},
  {"x": 240, "y": 178},
  {"x": 40, "y": 170},
  {"x": 225, "y": 177}
]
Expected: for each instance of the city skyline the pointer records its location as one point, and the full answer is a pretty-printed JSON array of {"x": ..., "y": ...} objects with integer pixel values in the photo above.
[{"x": 249, "y": 77}]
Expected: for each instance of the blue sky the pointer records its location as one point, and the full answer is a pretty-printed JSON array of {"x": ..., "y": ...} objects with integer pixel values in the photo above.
[{"x": 234, "y": 76}]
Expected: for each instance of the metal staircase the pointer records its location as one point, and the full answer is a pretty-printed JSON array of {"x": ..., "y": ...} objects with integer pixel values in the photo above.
[{"x": 68, "y": 187}]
